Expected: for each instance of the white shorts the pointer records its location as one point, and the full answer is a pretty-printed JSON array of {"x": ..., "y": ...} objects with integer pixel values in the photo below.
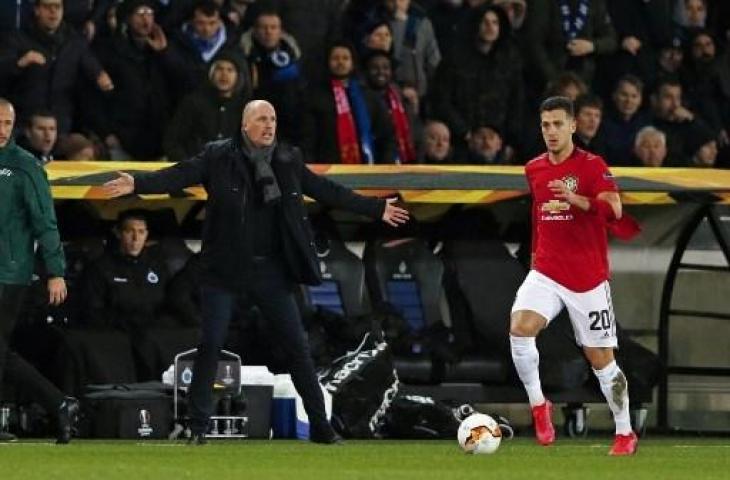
[{"x": 591, "y": 312}]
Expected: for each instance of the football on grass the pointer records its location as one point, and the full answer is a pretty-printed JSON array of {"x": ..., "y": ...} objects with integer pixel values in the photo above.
[{"x": 479, "y": 433}]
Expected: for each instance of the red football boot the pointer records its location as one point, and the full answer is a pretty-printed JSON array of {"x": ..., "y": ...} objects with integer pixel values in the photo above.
[
  {"x": 624, "y": 445},
  {"x": 542, "y": 419}
]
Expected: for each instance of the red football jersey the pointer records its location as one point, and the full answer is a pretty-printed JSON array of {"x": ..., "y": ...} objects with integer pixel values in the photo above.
[{"x": 569, "y": 245}]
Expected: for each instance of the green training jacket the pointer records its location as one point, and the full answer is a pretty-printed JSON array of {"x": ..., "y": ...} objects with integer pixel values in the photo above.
[{"x": 26, "y": 215}]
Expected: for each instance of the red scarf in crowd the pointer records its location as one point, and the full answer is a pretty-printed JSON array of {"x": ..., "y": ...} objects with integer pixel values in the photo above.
[
  {"x": 406, "y": 149},
  {"x": 347, "y": 140}
]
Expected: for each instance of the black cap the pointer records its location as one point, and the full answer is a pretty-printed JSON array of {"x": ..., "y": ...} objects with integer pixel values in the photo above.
[{"x": 128, "y": 7}]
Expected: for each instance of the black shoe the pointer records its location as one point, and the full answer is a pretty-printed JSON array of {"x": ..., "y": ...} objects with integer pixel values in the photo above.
[
  {"x": 68, "y": 415},
  {"x": 7, "y": 437},
  {"x": 197, "y": 439},
  {"x": 325, "y": 435}
]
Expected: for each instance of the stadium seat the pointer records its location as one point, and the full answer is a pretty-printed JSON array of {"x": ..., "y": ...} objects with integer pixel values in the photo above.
[{"x": 407, "y": 275}]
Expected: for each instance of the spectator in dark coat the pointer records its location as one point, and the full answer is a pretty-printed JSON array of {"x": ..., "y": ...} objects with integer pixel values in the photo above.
[
  {"x": 642, "y": 28},
  {"x": 132, "y": 117},
  {"x": 481, "y": 84},
  {"x": 451, "y": 20},
  {"x": 558, "y": 44},
  {"x": 83, "y": 15},
  {"x": 437, "y": 144},
  {"x": 211, "y": 113},
  {"x": 343, "y": 122},
  {"x": 702, "y": 81},
  {"x": 196, "y": 43},
  {"x": 689, "y": 139},
  {"x": 40, "y": 136},
  {"x": 273, "y": 56},
  {"x": 43, "y": 63},
  {"x": 315, "y": 24},
  {"x": 87, "y": 16},
  {"x": 623, "y": 119},
  {"x": 486, "y": 147},
  {"x": 690, "y": 17},
  {"x": 406, "y": 124},
  {"x": 588, "y": 116}
]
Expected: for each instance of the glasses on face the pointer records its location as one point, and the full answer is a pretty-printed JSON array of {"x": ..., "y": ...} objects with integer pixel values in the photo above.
[{"x": 144, "y": 12}]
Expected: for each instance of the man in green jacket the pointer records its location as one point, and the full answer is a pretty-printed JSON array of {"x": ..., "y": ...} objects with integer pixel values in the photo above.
[{"x": 27, "y": 217}]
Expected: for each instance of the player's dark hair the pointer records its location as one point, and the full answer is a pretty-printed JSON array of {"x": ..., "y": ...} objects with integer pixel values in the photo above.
[{"x": 558, "y": 103}]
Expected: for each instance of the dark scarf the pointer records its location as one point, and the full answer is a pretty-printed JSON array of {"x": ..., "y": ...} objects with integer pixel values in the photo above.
[
  {"x": 264, "y": 178},
  {"x": 52, "y": 41}
]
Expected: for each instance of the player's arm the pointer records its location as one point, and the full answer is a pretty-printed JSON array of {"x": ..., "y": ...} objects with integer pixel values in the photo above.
[
  {"x": 606, "y": 204},
  {"x": 613, "y": 199}
]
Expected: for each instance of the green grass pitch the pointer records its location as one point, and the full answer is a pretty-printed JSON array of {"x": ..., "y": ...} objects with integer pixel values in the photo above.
[{"x": 658, "y": 458}]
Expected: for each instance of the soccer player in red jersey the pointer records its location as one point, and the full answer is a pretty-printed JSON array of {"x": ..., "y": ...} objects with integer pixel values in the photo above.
[{"x": 575, "y": 201}]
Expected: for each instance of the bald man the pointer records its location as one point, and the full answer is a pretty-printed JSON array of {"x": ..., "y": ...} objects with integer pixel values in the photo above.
[
  {"x": 256, "y": 242},
  {"x": 27, "y": 217}
]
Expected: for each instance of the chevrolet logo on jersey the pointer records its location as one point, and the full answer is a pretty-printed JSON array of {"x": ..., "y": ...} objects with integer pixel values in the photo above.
[{"x": 554, "y": 207}]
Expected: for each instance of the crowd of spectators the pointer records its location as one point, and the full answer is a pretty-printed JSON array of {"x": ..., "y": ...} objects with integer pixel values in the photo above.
[{"x": 370, "y": 81}]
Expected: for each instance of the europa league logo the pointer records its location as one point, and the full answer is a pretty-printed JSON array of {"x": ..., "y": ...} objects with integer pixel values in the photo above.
[
  {"x": 228, "y": 377},
  {"x": 144, "y": 430}
]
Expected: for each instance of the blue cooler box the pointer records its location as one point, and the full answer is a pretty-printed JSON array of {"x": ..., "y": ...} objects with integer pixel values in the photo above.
[{"x": 284, "y": 408}]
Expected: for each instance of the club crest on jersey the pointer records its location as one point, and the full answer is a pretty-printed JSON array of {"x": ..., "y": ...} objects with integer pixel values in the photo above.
[{"x": 571, "y": 181}]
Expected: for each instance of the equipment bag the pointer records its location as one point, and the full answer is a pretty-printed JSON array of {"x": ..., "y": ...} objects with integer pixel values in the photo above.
[
  {"x": 120, "y": 412},
  {"x": 423, "y": 417},
  {"x": 363, "y": 384}
]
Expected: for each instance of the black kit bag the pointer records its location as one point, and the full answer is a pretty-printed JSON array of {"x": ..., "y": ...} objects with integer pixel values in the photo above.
[
  {"x": 363, "y": 383},
  {"x": 423, "y": 417},
  {"x": 138, "y": 411}
]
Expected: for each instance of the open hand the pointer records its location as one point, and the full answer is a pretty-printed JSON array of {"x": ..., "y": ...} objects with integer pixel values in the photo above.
[
  {"x": 122, "y": 185},
  {"x": 394, "y": 215}
]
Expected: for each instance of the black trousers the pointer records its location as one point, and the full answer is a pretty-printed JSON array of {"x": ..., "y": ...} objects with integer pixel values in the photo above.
[
  {"x": 12, "y": 366},
  {"x": 268, "y": 287}
]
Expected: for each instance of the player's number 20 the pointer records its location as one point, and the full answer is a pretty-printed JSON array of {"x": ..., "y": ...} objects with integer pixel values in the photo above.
[{"x": 600, "y": 320}]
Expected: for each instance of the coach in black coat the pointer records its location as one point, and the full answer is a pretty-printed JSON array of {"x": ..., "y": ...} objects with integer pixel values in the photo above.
[{"x": 257, "y": 242}]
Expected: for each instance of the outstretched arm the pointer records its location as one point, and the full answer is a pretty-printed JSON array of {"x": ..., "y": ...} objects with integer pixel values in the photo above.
[
  {"x": 170, "y": 179},
  {"x": 335, "y": 195}
]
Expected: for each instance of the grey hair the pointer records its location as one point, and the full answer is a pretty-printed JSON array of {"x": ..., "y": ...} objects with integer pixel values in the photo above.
[
  {"x": 647, "y": 132},
  {"x": 4, "y": 102},
  {"x": 253, "y": 105}
]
